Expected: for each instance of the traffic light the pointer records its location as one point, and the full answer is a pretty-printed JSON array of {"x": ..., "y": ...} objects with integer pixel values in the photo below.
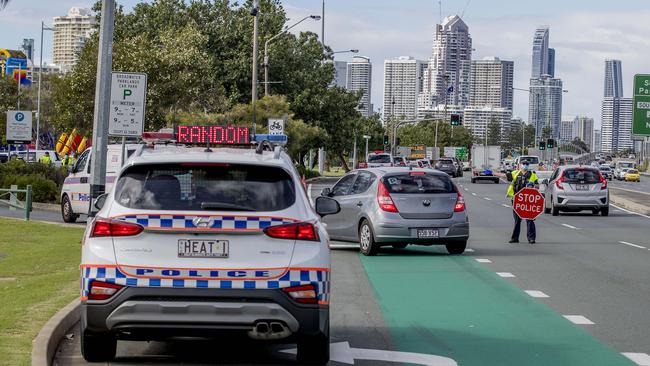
[
  {"x": 456, "y": 120},
  {"x": 385, "y": 139},
  {"x": 542, "y": 145},
  {"x": 397, "y": 142},
  {"x": 550, "y": 143}
]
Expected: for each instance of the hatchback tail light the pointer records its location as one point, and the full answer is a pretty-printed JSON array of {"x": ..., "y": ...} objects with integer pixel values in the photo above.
[
  {"x": 603, "y": 182},
  {"x": 295, "y": 231},
  {"x": 102, "y": 290},
  {"x": 305, "y": 294},
  {"x": 385, "y": 201},
  {"x": 559, "y": 181},
  {"x": 460, "y": 203},
  {"x": 103, "y": 227}
]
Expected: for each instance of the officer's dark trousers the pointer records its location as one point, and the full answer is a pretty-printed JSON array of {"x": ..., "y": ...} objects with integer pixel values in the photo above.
[{"x": 530, "y": 228}]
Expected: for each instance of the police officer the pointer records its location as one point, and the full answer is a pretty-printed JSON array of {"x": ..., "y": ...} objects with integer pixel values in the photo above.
[
  {"x": 521, "y": 179},
  {"x": 45, "y": 159},
  {"x": 67, "y": 160}
]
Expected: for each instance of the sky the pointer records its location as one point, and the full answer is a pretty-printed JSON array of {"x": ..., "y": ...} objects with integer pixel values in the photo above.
[{"x": 583, "y": 32}]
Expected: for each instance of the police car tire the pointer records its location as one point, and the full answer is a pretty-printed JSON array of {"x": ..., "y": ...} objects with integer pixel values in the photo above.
[
  {"x": 314, "y": 350},
  {"x": 98, "y": 348},
  {"x": 70, "y": 217},
  {"x": 372, "y": 247}
]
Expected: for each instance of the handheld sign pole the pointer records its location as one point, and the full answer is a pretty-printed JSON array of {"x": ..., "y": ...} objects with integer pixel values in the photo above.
[{"x": 102, "y": 105}]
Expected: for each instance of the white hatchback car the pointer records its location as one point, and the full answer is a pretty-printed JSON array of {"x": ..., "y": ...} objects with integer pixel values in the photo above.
[{"x": 190, "y": 242}]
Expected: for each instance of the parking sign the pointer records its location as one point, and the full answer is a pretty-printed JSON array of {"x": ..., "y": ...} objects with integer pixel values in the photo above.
[
  {"x": 19, "y": 127},
  {"x": 128, "y": 95}
]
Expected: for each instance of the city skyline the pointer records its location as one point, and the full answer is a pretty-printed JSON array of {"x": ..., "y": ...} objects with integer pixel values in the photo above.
[{"x": 585, "y": 33}]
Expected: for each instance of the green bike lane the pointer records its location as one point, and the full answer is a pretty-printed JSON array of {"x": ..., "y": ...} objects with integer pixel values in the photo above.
[{"x": 452, "y": 306}]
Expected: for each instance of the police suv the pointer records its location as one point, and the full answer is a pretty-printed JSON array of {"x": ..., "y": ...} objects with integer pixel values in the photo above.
[{"x": 203, "y": 242}]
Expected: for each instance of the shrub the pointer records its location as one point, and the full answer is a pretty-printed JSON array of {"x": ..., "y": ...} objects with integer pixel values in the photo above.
[
  {"x": 19, "y": 167},
  {"x": 46, "y": 181},
  {"x": 307, "y": 173}
]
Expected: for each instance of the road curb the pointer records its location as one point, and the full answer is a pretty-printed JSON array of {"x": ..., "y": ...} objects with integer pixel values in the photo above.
[
  {"x": 46, "y": 342},
  {"x": 52, "y": 207},
  {"x": 629, "y": 205}
]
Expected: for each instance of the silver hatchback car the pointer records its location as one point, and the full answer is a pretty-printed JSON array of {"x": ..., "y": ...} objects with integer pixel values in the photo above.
[
  {"x": 574, "y": 188},
  {"x": 398, "y": 206}
]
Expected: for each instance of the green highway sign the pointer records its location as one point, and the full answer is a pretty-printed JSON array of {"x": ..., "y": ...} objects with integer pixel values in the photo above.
[{"x": 641, "y": 114}]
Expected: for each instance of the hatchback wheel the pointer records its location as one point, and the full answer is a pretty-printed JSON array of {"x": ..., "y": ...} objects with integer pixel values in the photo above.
[
  {"x": 554, "y": 210},
  {"x": 604, "y": 211},
  {"x": 457, "y": 247},
  {"x": 367, "y": 239},
  {"x": 66, "y": 210}
]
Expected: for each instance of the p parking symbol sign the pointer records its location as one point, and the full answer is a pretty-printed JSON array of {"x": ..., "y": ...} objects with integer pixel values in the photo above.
[{"x": 128, "y": 102}]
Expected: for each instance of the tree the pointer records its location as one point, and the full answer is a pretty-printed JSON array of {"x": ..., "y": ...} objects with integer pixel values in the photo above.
[{"x": 546, "y": 132}]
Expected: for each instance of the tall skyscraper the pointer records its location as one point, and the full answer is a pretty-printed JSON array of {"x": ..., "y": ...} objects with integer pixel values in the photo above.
[
  {"x": 545, "y": 104},
  {"x": 491, "y": 83},
  {"x": 447, "y": 78},
  {"x": 598, "y": 142},
  {"x": 550, "y": 70},
  {"x": 359, "y": 78},
  {"x": 70, "y": 34},
  {"x": 568, "y": 129},
  {"x": 477, "y": 119},
  {"x": 341, "y": 74},
  {"x": 540, "y": 52},
  {"x": 402, "y": 82},
  {"x": 616, "y": 124},
  {"x": 585, "y": 129},
  {"x": 613, "y": 79}
]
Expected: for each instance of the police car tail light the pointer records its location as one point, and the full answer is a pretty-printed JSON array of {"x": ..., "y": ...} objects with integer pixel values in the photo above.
[
  {"x": 295, "y": 231},
  {"x": 102, "y": 290},
  {"x": 305, "y": 294},
  {"x": 383, "y": 198},
  {"x": 460, "y": 203},
  {"x": 109, "y": 228}
]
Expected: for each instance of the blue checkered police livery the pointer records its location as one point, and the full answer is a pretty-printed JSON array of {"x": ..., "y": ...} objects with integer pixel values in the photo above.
[
  {"x": 177, "y": 278},
  {"x": 184, "y": 222}
]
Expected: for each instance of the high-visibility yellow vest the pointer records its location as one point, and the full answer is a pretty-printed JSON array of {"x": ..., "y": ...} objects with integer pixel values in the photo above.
[{"x": 511, "y": 188}]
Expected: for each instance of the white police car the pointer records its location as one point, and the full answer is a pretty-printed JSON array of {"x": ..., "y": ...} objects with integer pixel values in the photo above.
[{"x": 191, "y": 242}]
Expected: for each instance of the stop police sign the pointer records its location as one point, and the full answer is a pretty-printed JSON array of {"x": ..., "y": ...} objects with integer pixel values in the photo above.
[{"x": 528, "y": 203}]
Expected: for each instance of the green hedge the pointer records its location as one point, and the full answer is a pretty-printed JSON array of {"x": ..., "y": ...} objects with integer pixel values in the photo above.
[
  {"x": 307, "y": 173},
  {"x": 46, "y": 181}
]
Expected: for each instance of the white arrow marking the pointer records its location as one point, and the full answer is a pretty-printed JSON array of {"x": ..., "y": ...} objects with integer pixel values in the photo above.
[{"x": 342, "y": 352}]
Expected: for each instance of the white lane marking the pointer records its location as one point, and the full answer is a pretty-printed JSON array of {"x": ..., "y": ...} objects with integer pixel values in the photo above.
[
  {"x": 578, "y": 319},
  {"x": 483, "y": 260},
  {"x": 487, "y": 198},
  {"x": 535, "y": 293},
  {"x": 641, "y": 359},
  {"x": 504, "y": 205},
  {"x": 473, "y": 194},
  {"x": 465, "y": 189},
  {"x": 309, "y": 192},
  {"x": 506, "y": 274},
  {"x": 632, "y": 245},
  {"x": 630, "y": 212},
  {"x": 570, "y": 226},
  {"x": 469, "y": 250}
]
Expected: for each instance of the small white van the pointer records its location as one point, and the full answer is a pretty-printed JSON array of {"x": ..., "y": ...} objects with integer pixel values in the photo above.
[{"x": 75, "y": 195}]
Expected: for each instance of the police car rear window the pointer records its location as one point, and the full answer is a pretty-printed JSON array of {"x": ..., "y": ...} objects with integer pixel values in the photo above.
[
  {"x": 205, "y": 187},
  {"x": 418, "y": 182}
]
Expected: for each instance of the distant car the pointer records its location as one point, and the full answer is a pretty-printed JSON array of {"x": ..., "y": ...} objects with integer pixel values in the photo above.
[
  {"x": 4, "y": 157},
  {"x": 447, "y": 165},
  {"x": 35, "y": 155},
  {"x": 632, "y": 175},
  {"x": 399, "y": 161},
  {"x": 467, "y": 166},
  {"x": 398, "y": 206},
  {"x": 620, "y": 174},
  {"x": 459, "y": 166},
  {"x": 376, "y": 160},
  {"x": 575, "y": 188},
  {"x": 606, "y": 171}
]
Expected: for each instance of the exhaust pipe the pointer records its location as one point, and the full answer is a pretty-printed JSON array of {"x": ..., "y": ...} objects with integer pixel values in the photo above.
[{"x": 268, "y": 331}]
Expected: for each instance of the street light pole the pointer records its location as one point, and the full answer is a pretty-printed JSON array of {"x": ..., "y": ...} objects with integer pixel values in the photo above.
[
  {"x": 38, "y": 98},
  {"x": 366, "y": 137}
]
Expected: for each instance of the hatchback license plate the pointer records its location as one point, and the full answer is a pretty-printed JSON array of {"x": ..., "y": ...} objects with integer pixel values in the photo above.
[
  {"x": 582, "y": 187},
  {"x": 427, "y": 233},
  {"x": 197, "y": 248}
]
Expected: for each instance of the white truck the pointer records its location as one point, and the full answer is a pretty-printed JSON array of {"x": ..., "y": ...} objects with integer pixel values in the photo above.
[{"x": 485, "y": 162}]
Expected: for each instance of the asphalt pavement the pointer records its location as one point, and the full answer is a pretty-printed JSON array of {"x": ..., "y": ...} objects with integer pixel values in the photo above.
[{"x": 579, "y": 296}]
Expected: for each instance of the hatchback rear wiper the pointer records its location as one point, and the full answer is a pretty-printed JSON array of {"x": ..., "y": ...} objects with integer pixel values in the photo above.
[{"x": 224, "y": 206}]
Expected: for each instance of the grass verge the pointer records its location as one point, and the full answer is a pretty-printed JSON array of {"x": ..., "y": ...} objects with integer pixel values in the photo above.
[{"x": 39, "y": 274}]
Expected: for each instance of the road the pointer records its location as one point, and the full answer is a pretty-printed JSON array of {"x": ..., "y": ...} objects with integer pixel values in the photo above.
[{"x": 578, "y": 297}]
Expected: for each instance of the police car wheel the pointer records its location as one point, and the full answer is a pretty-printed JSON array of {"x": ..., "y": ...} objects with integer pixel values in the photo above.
[
  {"x": 314, "y": 350},
  {"x": 367, "y": 239},
  {"x": 66, "y": 210},
  {"x": 98, "y": 348}
]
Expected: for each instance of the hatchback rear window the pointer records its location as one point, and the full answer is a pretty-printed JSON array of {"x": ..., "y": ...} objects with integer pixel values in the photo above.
[
  {"x": 381, "y": 159},
  {"x": 632, "y": 171},
  {"x": 210, "y": 187},
  {"x": 445, "y": 161},
  {"x": 581, "y": 176},
  {"x": 417, "y": 182}
]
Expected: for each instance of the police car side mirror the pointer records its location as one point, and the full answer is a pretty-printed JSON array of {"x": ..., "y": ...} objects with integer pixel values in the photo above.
[
  {"x": 326, "y": 192},
  {"x": 327, "y": 206},
  {"x": 99, "y": 202}
]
